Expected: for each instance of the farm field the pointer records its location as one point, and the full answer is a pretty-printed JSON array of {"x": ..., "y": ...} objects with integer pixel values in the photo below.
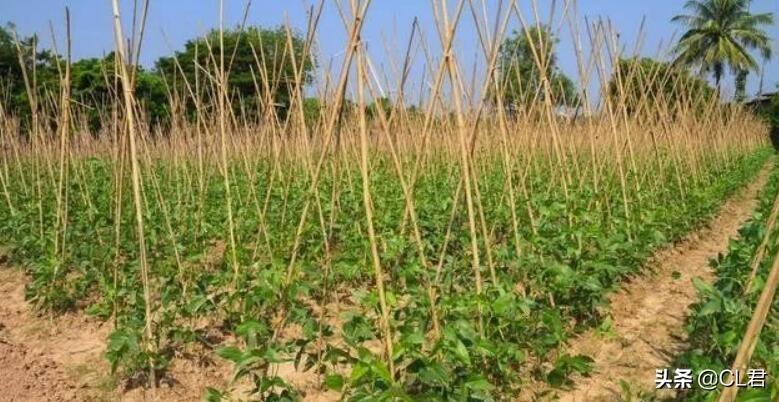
[
  {"x": 242, "y": 223},
  {"x": 745, "y": 278}
]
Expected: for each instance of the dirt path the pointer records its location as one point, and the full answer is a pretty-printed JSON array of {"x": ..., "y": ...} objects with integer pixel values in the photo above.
[
  {"x": 44, "y": 359},
  {"x": 62, "y": 358},
  {"x": 649, "y": 312}
]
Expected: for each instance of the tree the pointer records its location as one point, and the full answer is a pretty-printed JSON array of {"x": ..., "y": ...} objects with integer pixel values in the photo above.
[
  {"x": 93, "y": 86},
  {"x": 771, "y": 112},
  {"x": 258, "y": 60},
  {"x": 312, "y": 111},
  {"x": 741, "y": 84},
  {"x": 10, "y": 70},
  {"x": 12, "y": 86},
  {"x": 721, "y": 34},
  {"x": 91, "y": 83},
  {"x": 645, "y": 81},
  {"x": 522, "y": 57},
  {"x": 384, "y": 103}
]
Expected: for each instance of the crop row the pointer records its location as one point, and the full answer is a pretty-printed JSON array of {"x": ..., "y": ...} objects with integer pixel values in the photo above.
[
  {"x": 545, "y": 279},
  {"x": 719, "y": 319}
]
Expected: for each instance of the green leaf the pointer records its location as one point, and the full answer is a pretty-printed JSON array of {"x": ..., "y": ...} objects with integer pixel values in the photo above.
[
  {"x": 434, "y": 375},
  {"x": 479, "y": 384},
  {"x": 755, "y": 395},
  {"x": 701, "y": 286},
  {"x": 381, "y": 370},
  {"x": 358, "y": 371},
  {"x": 231, "y": 353},
  {"x": 248, "y": 328},
  {"x": 461, "y": 352},
  {"x": 213, "y": 395},
  {"x": 502, "y": 305},
  {"x": 334, "y": 382},
  {"x": 711, "y": 307},
  {"x": 272, "y": 356},
  {"x": 581, "y": 364}
]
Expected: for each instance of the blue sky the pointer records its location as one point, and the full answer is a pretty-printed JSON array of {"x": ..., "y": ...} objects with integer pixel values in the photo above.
[{"x": 172, "y": 22}]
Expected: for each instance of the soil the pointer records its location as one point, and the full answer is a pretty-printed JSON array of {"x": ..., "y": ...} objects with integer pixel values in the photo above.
[
  {"x": 45, "y": 359},
  {"x": 62, "y": 358}
]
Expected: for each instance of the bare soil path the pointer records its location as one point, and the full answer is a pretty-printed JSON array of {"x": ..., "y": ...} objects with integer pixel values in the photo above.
[
  {"x": 649, "y": 312},
  {"x": 46, "y": 359},
  {"x": 62, "y": 358}
]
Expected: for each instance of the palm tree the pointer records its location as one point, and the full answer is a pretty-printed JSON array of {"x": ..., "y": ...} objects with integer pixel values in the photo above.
[{"x": 720, "y": 34}]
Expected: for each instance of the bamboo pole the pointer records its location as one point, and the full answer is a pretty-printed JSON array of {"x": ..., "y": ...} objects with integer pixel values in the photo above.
[
  {"x": 755, "y": 326},
  {"x": 136, "y": 184}
]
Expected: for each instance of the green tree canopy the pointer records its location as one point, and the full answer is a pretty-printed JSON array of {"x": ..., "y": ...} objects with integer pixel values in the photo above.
[
  {"x": 261, "y": 62},
  {"x": 645, "y": 81},
  {"x": 720, "y": 34},
  {"x": 771, "y": 112},
  {"x": 10, "y": 71},
  {"x": 519, "y": 72},
  {"x": 92, "y": 80},
  {"x": 93, "y": 85},
  {"x": 384, "y": 103},
  {"x": 12, "y": 88}
]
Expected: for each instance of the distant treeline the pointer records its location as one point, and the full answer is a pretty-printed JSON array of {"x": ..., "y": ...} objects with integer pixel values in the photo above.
[{"x": 266, "y": 65}]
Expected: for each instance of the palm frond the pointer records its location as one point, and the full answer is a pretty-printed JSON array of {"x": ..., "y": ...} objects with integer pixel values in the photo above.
[{"x": 721, "y": 34}]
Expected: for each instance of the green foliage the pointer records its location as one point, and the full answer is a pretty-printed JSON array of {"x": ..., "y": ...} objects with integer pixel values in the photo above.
[
  {"x": 12, "y": 86},
  {"x": 12, "y": 72},
  {"x": 720, "y": 34},
  {"x": 573, "y": 263},
  {"x": 384, "y": 103},
  {"x": 655, "y": 85},
  {"x": 258, "y": 60},
  {"x": 565, "y": 365},
  {"x": 312, "y": 111},
  {"x": 771, "y": 113},
  {"x": 741, "y": 85},
  {"x": 125, "y": 352},
  {"x": 525, "y": 59},
  {"x": 719, "y": 319},
  {"x": 93, "y": 86}
]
